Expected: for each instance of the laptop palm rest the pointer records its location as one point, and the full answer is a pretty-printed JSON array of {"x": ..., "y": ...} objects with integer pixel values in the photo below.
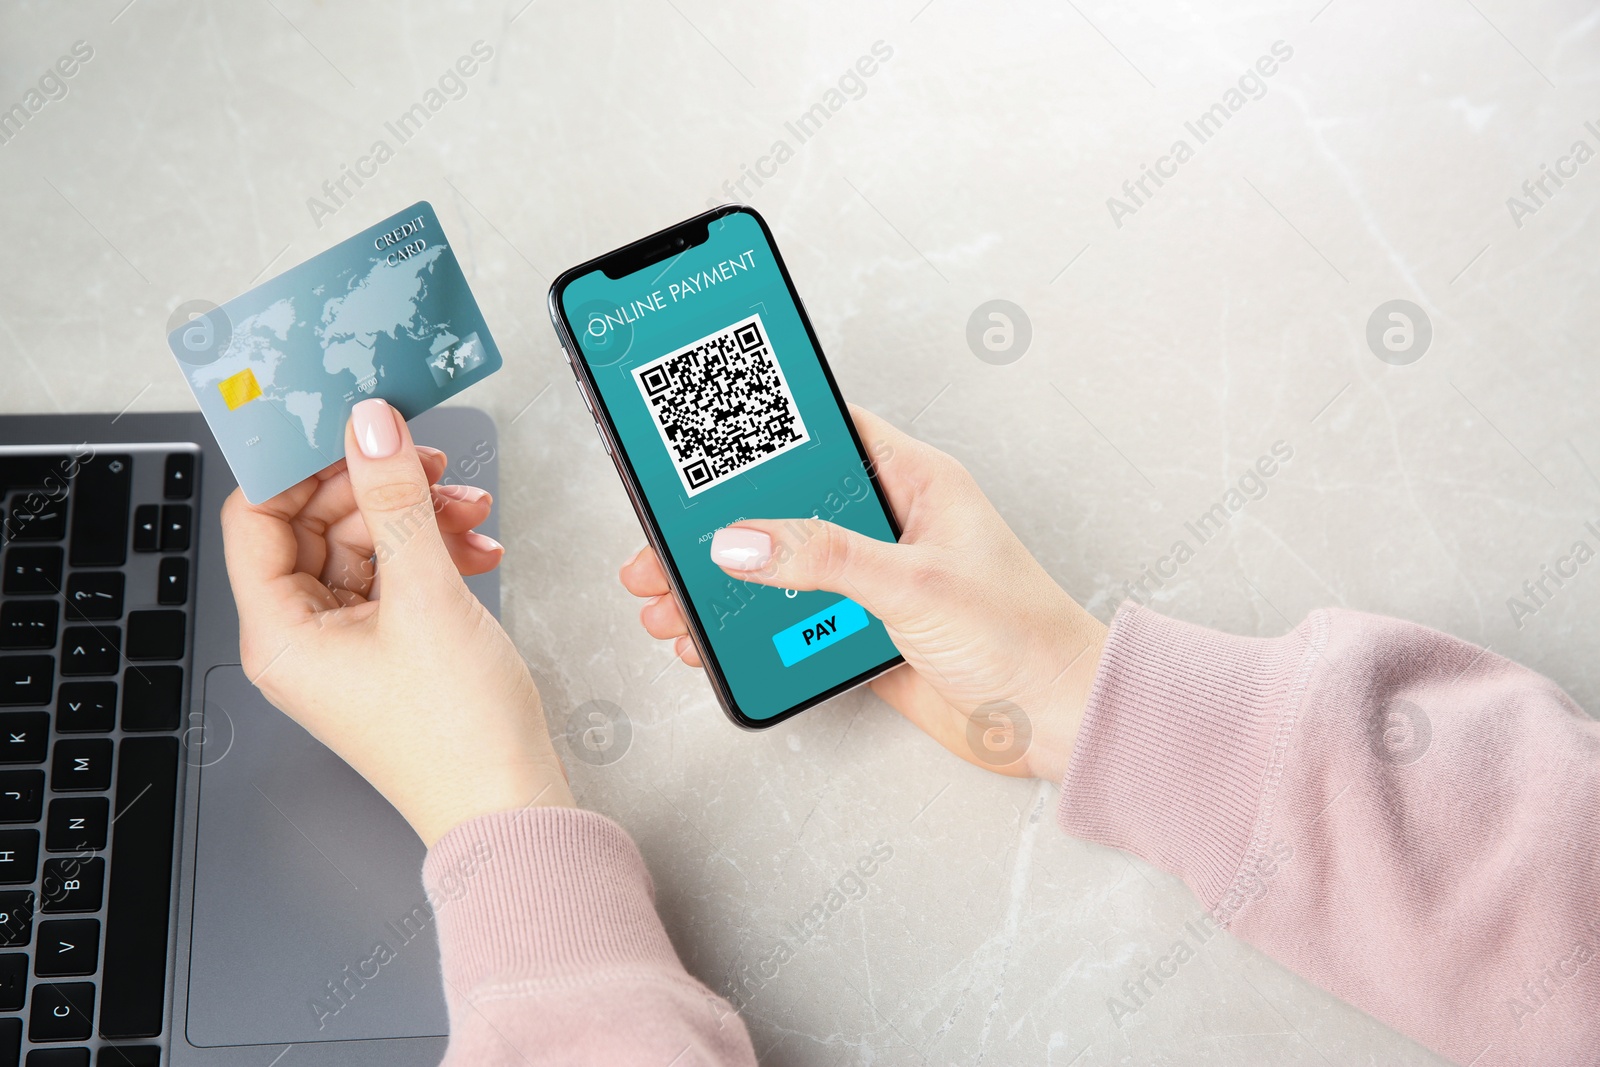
[{"x": 310, "y": 922}]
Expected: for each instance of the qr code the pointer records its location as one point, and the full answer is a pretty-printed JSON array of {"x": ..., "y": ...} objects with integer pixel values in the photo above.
[{"x": 722, "y": 405}]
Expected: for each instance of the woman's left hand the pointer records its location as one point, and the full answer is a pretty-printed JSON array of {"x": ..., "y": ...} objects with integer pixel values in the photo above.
[{"x": 419, "y": 689}]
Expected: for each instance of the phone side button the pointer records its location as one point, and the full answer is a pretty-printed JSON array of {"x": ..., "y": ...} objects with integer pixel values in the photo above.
[{"x": 602, "y": 435}]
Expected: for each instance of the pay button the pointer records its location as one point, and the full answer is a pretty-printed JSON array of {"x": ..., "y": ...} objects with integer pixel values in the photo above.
[{"x": 826, "y": 627}]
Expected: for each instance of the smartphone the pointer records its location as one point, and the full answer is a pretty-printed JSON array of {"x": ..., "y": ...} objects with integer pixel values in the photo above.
[{"x": 712, "y": 397}]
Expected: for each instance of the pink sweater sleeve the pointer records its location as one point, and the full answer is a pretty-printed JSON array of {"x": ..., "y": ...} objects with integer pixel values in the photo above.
[
  {"x": 1404, "y": 819},
  {"x": 552, "y": 951}
]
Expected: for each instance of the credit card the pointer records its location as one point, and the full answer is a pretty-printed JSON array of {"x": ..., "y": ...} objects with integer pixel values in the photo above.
[{"x": 386, "y": 313}]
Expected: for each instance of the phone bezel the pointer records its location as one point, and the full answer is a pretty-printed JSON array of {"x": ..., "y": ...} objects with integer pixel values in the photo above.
[{"x": 643, "y": 252}]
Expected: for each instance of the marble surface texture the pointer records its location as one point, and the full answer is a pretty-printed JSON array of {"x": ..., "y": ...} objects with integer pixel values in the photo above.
[{"x": 1172, "y": 345}]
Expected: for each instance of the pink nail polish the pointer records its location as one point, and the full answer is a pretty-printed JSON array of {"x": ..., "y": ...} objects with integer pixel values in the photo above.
[
  {"x": 483, "y": 542},
  {"x": 740, "y": 549},
  {"x": 376, "y": 433},
  {"x": 467, "y": 494}
]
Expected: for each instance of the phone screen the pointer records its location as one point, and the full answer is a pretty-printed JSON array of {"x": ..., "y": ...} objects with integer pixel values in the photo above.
[{"x": 706, "y": 370}]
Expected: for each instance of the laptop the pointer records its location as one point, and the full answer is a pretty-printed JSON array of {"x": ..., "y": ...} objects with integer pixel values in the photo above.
[{"x": 186, "y": 876}]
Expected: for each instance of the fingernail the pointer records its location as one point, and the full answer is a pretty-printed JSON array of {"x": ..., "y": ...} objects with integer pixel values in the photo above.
[
  {"x": 483, "y": 542},
  {"x": 427, "y": 451},
  {"x": 467, "y": 494},
  {"x": 740, "y": 549},
  {"x": 376, "y": 432}
]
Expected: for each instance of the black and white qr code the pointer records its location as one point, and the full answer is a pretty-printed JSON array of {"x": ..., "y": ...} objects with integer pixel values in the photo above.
[{"x": 721, "y": 404}]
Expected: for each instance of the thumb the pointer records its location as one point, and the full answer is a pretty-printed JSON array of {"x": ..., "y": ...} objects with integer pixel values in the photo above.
[
  {"x": 814, "y": 554},
  {"x": 391, "y": 491}
]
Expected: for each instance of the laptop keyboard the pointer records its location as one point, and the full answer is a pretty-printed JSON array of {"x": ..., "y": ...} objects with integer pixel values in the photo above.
[{"x": 95, "y": 630}]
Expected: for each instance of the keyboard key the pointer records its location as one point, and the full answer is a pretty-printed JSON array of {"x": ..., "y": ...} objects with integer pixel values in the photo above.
[
  {"x": 129, "y": 1056},
  {"x": 67, "y": 948},
  {"x": 25, "y": 680},
  {"x": 155, "y": 634},
  {"x": 28, "y": 624},
  {"x": 31, "y": 471},
  {"x": 172, "y": 584},
  {"x": 81, "y": 765},
  {"x": 146, "y": 528},
  {"x": 152, "y": 698},
  {"x": 176, "y": 520},
  {"x": 31, "y": 570},
  {"x": 77, "y": 824},
  {"x": 59, "y": 1057},
  {"x": 178, "y": 481},
  {"x": 13, "y": 981},
  {"x": 133, "y": 978},
  {"x": 37, "y": 517},
  {"x": 90, "y": 650},
  {"x": 16, "y": 917},
  {"x": 24, "y": 736},
  {"x": 62, "y": 1011},
  {"x": 10, "y": 1040},
  {"x": 19, "y": 857},
  {"x": 72, "y": 885},
  {"x": 21, "y": 797},
  {"x": 94, "y": 596},
  {"x": 86, "y": 707},
  {"x": 100, "y": 495}
]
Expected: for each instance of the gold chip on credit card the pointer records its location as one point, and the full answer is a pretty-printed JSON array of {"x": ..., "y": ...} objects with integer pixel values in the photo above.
[{"x": 239, "y": 389}]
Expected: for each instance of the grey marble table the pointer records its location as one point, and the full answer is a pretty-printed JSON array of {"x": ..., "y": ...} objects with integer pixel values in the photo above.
[{"x": 1335, "y": 156}]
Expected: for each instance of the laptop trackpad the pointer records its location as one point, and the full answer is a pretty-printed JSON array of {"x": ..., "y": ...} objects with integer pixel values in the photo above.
[{"x": 310, "y": 923}]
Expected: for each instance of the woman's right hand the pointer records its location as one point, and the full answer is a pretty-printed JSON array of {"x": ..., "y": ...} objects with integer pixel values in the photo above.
[{"x": 999, "y": 659}]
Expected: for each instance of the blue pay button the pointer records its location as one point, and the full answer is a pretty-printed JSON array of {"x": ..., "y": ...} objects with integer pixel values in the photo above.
[{"x": 816, "y": 632}]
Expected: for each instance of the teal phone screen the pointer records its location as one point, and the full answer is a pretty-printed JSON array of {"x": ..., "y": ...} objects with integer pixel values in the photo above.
[{"x": 724, "y": 409}]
